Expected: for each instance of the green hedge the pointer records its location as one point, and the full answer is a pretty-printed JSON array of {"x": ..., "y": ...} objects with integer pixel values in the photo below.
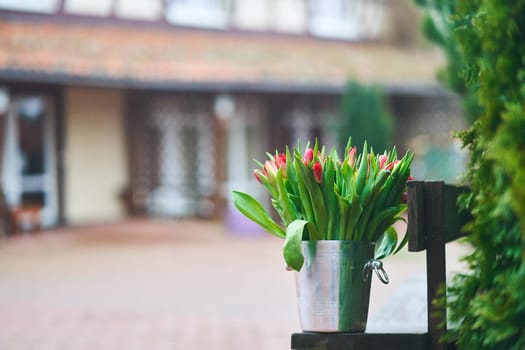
[{"x": 486, "y": 38}]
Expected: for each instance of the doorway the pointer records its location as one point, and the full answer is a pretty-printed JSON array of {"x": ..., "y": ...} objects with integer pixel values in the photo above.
[{"x": 29, "y": 171}]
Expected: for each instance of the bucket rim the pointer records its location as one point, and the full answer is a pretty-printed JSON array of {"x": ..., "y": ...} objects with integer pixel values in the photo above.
[{"x": 338, "y": 242}]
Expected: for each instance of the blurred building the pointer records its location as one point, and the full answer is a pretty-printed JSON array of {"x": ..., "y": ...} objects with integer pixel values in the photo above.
[{"x": 158, "y": 107}]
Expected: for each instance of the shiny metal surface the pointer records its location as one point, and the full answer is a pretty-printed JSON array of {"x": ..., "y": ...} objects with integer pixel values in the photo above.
[
  {"x": 332, "y": 292},
  {"x": 377, "y": 267}
]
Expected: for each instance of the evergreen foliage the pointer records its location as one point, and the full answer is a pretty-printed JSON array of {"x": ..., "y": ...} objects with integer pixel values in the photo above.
[
  {"x": 365, "y": 117},
  {"x": 439, "y": 28},
  {"x": 488, "y": 302}
]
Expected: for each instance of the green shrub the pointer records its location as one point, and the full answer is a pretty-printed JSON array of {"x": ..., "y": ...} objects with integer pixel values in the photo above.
[
  {"x": 488, "y": 302},
  {"x": 364, "y": 116},
  {"x": 439, "y": 28}
]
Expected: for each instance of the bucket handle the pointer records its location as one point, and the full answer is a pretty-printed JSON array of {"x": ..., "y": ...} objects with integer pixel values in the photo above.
[{"x": 377, "y": 266}]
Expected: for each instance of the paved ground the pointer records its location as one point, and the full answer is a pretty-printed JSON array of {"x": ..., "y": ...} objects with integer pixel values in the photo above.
[{"x": 147, "y": 284}]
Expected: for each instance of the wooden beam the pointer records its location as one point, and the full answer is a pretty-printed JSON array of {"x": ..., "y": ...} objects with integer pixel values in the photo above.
[
  {"x": 436, "y": 262},
  {"x": 453, "y": 218},
  {"x": 353, "y": 341},
  {"x": 416, "y": 216},
  {"x": 450, "y": 224}
]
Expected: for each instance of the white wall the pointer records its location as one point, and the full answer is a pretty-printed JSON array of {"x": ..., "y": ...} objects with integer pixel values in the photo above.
[{"x": 95, "y": 159}]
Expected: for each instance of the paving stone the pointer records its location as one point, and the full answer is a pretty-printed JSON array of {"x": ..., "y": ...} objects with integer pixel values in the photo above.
[{"x": 154, "y": 284}]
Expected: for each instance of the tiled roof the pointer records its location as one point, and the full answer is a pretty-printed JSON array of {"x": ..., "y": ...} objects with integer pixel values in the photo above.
[{"x": 140, "y": 55}]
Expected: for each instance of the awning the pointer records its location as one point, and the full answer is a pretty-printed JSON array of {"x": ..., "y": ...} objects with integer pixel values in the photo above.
[{"x": 174, "y": 58}]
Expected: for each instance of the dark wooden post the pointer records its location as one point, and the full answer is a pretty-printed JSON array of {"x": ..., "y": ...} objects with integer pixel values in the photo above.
[
  {"x": 425, "y": 230},
  {"x": 434, "y": 220},
  {"x": 436, "y": 262}
]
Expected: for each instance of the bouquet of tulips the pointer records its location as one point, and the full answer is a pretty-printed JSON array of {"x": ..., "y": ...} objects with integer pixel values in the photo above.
[{"x": 319, "y": 196}]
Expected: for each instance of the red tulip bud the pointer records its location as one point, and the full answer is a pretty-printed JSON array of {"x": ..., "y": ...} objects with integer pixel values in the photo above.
[
  {"x": 280, "y": 162},
  {"x": 270, "y": 170},
  {"x": 308, "y": 156},
  {"x": 351, "y": 156},
  {"x": 382, "y": 161},
  {"x": 404, "y": 198},
  {"x": 410, "y": 178},
  {"x": 257, "y": 175},
  {"x": 391, "y": 165},
  {"x": 318, "y": 172}
]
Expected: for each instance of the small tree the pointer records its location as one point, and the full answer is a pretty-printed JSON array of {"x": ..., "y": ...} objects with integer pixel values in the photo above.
[{"x": 364, "y": 116}]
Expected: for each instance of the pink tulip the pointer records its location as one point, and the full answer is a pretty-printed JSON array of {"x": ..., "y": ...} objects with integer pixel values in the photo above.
[
  {"x": 270, "y": 170},
  {"x": 280, "y": 160},
  {"x": 257, "y": 176},
  {"x": 391, "y": 165},
  {"x": 308, "y": 156},
  {"x": 318, "y": 172},
  {"x": 351, "y": 156},
  {"x": 382, "y": 161}
]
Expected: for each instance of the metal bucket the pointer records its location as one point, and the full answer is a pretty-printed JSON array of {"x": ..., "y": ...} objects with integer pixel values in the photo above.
[{"x": 333, "y": 286}]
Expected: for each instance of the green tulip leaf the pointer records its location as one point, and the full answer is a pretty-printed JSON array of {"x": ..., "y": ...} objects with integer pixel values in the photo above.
[
  {"x": 292, "y": 250},
  {"x": 404, "y": 241},
  {"x": 253, "y": 210},
  {"x": 387, "y": 245}
]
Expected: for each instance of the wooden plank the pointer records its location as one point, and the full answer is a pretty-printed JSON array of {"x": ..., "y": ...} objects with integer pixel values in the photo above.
[
  {"x": 451, "y": 222},
  {"x": 453, "y": 218},
  {"x": 416, "y": 216},
  {"x": 436, "y": 263},
  {"x": 354, "y": 341}
]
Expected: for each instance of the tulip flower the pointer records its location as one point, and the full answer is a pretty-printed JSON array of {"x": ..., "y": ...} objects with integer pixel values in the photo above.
[
  {"x": 270, "y": 170},
  {"x": 351, "y": 156},
  {"x": 258, "y": 175},
  {"x": 382, "y": 160},
  {"x": 358, "y": 197},
  {"x": 318, "y": 172},
  {"x": 308, "y": 156},
  {"x": 280, "y": 162},
  {"x": 391, "y": 165}
]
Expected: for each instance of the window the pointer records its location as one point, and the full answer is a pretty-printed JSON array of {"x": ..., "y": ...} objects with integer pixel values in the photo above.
[
  {"x": 197, "y": 13},
  {"x": 347, "y": 19},
  {"x": 42, "y": 6},
  {"x": 288, "y": 16},
  {"x": 250, "y": 14},
  {"x": 89, "y": 7},
  {"x": 138, "y": 9}
]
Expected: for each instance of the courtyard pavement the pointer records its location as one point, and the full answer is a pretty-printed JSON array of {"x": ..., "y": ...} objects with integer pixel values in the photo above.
[{"x": 158, "y": 284}]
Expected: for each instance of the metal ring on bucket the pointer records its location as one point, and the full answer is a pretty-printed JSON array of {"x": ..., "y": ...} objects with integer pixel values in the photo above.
[{"x": 377, "y": 266}]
